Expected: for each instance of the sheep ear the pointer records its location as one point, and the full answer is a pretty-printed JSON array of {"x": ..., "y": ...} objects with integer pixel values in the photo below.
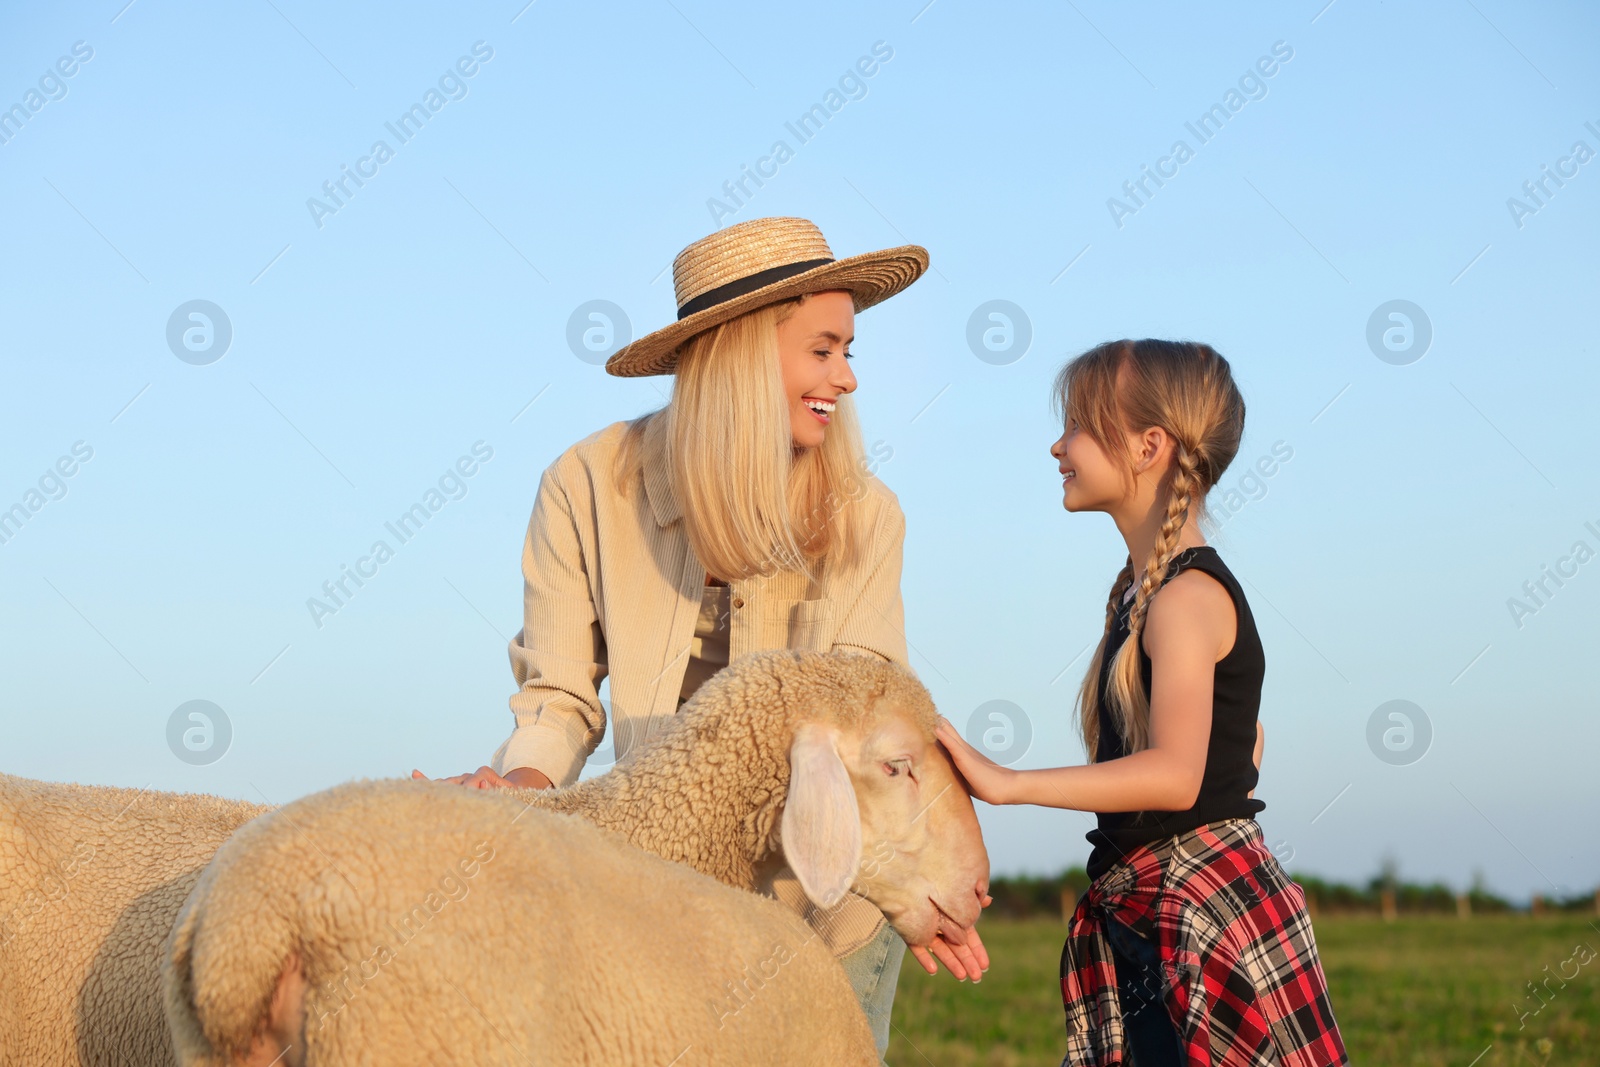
[{"x": 821, "y": 830}]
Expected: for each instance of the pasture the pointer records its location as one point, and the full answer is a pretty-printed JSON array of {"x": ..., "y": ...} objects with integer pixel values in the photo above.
[{"x": 1419, "y": 991}]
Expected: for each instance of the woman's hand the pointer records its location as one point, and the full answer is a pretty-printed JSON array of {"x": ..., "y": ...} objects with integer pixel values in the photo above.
[
  {"x": 986, "y": 779},
  {"x": 486, "y": 778},
  {"x": 965, "y": 959}
]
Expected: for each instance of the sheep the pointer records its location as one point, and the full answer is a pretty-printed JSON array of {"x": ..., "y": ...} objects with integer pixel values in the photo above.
[
  {"x": 296, "y": 945},
  {"x": 502, "y": 934},
  {"x": 91, "y": 879}
]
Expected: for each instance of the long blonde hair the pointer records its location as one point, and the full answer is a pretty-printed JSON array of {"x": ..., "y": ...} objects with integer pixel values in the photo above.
[
  {"x": 752, "y": 504},
  {"x": 1122, "y": 387}
]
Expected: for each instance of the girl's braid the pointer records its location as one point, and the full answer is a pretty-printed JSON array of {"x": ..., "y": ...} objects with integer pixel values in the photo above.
[
  {"x": 1089, "y": 691},
  {"x": 1185, "y": 480}
]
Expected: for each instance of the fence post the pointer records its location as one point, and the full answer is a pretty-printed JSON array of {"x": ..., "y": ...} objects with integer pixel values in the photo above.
[
  {"x": 1536, "y": 906},
  {"x": 1387, "y": 903},
  {"x": 1463, "y": 906}
]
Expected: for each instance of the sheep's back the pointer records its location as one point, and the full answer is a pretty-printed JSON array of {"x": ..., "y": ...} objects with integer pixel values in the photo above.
[
  {"x": 438, "y": 924},
  {"x": 90, "y": 881}
]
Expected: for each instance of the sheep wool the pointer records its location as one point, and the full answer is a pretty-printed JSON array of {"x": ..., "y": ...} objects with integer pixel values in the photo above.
[
  {"x": 440, "y": 925},
  {"x": 708, "y": 789},
  {"x": 91, "y": 879},
  {"x": 580, "y": 949}
]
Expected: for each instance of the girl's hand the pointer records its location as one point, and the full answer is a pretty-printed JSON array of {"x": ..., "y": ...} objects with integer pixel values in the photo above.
[{"x": 986, "y": 779}]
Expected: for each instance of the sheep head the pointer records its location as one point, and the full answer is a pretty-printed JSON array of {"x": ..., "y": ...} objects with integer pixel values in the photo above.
[{"x": 875, "y": 805}]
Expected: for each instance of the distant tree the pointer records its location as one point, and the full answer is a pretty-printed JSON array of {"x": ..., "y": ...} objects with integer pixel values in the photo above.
[{"x": 1045, "y": 896}]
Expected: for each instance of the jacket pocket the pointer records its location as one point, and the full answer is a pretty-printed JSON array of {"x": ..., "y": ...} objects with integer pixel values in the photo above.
[{"x": 798, "y": 624}]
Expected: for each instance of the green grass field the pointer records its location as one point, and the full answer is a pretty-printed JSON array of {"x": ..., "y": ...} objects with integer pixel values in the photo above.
[{"x": 1417, "y": 992}]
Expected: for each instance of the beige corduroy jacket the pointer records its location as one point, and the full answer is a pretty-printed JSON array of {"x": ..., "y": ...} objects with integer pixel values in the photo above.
[{"x": 611, "y": 588}]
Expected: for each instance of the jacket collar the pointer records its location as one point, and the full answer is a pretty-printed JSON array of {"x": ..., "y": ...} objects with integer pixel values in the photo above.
[{"x": 657, "y": 479}]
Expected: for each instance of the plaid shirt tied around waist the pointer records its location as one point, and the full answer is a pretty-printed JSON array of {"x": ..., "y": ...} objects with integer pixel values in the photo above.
[{"x": 1240, "y": 974}]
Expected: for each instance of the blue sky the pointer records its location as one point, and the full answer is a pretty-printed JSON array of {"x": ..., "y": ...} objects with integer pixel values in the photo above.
[{"x": 374, "y": 345}]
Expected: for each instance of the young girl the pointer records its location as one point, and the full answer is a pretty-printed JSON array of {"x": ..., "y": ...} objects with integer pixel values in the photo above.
[{"x": 1191, "y": 944}]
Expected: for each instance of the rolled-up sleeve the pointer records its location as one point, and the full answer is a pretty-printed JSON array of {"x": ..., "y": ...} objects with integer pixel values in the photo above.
[
  {"x": 874, "y": 614},
  {"x": 559, "y": 656}
]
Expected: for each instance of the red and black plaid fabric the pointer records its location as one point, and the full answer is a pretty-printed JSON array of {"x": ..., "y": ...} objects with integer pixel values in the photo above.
[{"x": 1242, "y": 982}]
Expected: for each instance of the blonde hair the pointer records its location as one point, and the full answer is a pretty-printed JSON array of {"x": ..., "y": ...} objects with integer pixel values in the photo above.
[
  {"x": 752, "y": 504},
  {"x": 1123, "y": 387}
]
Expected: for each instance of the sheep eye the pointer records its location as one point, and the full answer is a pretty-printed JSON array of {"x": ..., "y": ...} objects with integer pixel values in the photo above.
[{"x": 893, "y": 767}]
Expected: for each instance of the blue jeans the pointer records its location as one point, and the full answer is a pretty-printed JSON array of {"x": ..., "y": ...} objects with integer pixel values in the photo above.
[
  {"x": 1151, "y": 1038},
  {"x": 873, "y": 970}
]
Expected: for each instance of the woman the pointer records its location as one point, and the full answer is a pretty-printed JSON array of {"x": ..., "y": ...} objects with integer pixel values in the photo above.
[{"x": 739, "y": 517}]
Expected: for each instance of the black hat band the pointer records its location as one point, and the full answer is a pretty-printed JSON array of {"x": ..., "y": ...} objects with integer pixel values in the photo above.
[{"x": 748, "y": 284}]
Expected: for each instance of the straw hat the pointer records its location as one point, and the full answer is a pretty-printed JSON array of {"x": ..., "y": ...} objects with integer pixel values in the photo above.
[{"x": 752, "y": 264}]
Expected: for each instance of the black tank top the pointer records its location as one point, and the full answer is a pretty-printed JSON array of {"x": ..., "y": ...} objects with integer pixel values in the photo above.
[{"x": 1230, "y": 771}]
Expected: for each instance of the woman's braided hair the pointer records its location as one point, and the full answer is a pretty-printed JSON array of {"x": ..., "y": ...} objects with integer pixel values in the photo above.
[{"x": 1123, "y": 387}]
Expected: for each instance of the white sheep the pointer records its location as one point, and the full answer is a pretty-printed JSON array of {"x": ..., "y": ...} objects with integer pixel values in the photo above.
[
  {"x": 91, "y": 879},
  {"x": 405, "y": 922},
  {"x": 501, "y": 934}
]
